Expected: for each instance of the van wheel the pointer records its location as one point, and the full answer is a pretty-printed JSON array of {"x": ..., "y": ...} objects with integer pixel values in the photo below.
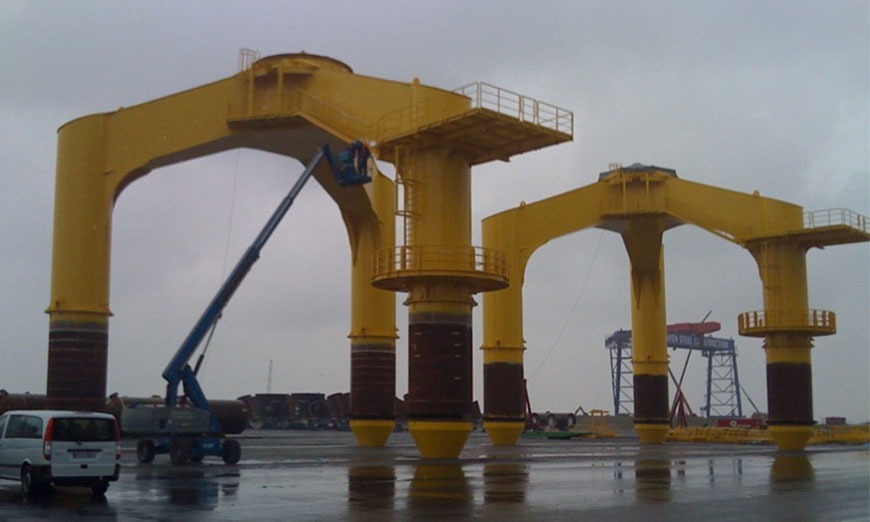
[
  {"x": 232, "y": 451},
  {"x": 145, "y": 451},
  {"x": 29, "y": 485},
  {"x": 179, "y": 451},
  {"x": 99, "y": 489}
]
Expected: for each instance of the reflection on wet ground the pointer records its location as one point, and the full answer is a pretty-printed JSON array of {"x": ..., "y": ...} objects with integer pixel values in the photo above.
[{"x": 325, "y": 476}]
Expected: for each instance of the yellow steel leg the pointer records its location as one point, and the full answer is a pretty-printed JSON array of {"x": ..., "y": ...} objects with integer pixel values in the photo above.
[
  {"x": 787, "y": 343},
  {"x": 649, "y": 330},
  {"x": 503, "y": 391},
  {"x": 439, "y": 370}
]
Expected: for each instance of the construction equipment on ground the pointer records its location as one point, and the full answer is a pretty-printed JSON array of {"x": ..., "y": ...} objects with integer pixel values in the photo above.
[{"x": 191, "y": 433}]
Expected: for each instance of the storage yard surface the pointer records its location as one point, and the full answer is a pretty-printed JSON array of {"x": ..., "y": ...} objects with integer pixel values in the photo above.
[{"x": 304, "y": 475}]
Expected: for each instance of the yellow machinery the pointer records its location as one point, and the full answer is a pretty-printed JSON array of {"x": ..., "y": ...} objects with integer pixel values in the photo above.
[
  {"x": 641, "y": 203},
  {"x": 290, "y": 105},
  {"x": 598, "y": 425},
  {"x": 819, "y": 435}
]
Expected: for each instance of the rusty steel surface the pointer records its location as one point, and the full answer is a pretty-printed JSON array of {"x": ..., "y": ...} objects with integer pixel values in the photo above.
[
  {"x": 439, "y": 369},
  {"x": 651, "y": 398},
  {"x": 372, "y": 381},
  {"x": 503, "y": 396},
  {"x": 21, "y": 401},
  {"x": 790, "y": 393},
  {"x": 77, "y": 362}
]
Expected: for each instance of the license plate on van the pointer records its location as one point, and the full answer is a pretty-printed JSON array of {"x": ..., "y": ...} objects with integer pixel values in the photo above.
[{"x": 83, "y": 454}]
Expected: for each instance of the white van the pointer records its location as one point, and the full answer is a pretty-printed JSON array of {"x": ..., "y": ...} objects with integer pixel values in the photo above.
[{"x": 64, "y": 448}]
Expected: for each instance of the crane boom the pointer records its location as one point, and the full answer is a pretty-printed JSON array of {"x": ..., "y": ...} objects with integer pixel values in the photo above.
[
  {"x": 350, "y": 171},
  {"x": 191, "y": 433}
]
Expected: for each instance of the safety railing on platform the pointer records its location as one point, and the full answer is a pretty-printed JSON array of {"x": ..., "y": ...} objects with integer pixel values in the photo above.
[
  {"x": 763, "y": 320},
  {"x": 836, "y": 216},
  {"x": 404, "y": 259},
  {"x": 483, "y": 96},
  {"x": 487, "y": 96},
  {"x": 328, "y": 113}
]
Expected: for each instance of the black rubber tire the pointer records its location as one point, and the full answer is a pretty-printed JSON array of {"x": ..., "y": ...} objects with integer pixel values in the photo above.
[
  {"x": 28, "y": 486},
  {"x": 145, "y": 451},
  {"x": 179, "y": 451},
  {"x": 232, "y": 451},
  {"x": 32, "y": 484},
  {"x": 99, "y": 489}
]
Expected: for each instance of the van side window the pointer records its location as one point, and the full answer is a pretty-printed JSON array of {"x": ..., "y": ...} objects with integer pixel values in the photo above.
[
  {"x": 33, "y": 427},
  {"x": 24, "y": 427},
  {"x": 15, "y": 429},
  {"x": 2, "y": 425}
]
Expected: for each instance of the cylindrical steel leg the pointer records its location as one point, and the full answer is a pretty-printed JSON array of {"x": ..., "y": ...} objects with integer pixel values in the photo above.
[
  {"x": 503, "y": 396},
  {"x": 77, "y": 363},
  {"x": 372, "y": 390},
  {"x": 439, "y": 371},
  {"x": 789, "y": 390}
]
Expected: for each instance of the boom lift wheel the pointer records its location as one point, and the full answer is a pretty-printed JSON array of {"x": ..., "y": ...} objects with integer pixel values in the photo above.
[
  {"x": 232, "y": 451},
  {"x": 145, "y": 451},
  {"x": 179, "y": 451}
]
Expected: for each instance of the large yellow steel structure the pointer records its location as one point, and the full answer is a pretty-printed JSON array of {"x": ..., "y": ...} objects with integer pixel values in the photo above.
[
  {"x": 291, "y": 105},
  {"x": 641, "y": 203}
]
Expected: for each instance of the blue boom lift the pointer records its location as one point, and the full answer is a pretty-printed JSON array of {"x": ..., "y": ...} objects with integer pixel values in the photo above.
[{"x": 190, "y": 433}]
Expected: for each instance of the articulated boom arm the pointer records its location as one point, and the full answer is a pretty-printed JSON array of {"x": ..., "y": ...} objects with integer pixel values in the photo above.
[{"x": 351, "y": 169}]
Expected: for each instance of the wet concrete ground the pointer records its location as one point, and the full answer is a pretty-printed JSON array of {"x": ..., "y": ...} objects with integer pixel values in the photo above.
[{"x": 324, "y": 476}]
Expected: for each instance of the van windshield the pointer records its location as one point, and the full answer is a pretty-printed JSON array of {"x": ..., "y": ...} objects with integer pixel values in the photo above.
[{"x": 70, "y": 429}]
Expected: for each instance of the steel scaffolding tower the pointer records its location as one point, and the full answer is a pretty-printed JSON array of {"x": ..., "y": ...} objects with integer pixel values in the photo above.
[
  {"x": 723, "y": 385},
  {"x": 619, "y": 345}
]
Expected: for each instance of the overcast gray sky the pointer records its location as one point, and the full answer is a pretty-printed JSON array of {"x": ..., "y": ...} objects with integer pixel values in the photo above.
[{"x": 767, "y": 96}]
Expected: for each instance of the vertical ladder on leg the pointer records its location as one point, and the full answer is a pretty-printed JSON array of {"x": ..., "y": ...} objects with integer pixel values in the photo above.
[{"x": 408, "y": 196}]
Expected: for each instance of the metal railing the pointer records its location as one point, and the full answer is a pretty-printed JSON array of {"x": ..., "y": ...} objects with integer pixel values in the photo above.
[
  {"x": 296, "y": 102},
  {"x": 483, "y": 96},
  {"x": 836, "y": 216},
  {"x": 487, "y": 96},
  {"x": 404, "y": 260},
  {"x": 762, "y": 320},
  {"x": 329, "y": 114},
  {"x": 247, "y": 57},
  {"x": 416, "y": 115}
]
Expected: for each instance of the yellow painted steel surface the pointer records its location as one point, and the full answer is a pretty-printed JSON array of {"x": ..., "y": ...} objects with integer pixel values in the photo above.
[
  {"x": 291, "y": 105},
  {"x": 643, "y": 241},
  {"x": 819, "y": 435},
  {"x": 504, "y": 433},
  {"x": 775, "y": 232},
  {"x": 372, "y": 432},
  {"x": 651, "y": 433},
  {"x": 439, "y": 439}
]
